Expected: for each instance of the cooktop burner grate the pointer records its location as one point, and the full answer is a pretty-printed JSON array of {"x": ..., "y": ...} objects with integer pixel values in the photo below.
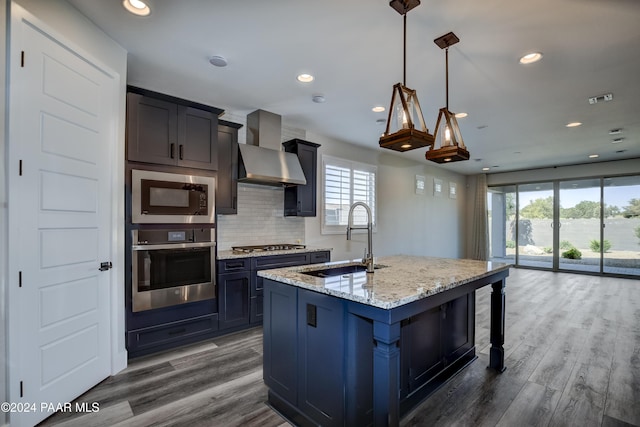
[{"x": 263, "y": 248}]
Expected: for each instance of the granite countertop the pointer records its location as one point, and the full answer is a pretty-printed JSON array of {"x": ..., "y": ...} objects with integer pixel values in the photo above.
[
  {"x": 229, "y": 254},
  {"x": 399, "y": 280}
]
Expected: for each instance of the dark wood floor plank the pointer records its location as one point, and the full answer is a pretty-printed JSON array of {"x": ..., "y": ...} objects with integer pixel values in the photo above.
[
  {"x": 623, "y": 393},
  {"x": 533, "y": 406},
  {"x": 583, "y": 399},
  {"x": 555, "y": 367}
]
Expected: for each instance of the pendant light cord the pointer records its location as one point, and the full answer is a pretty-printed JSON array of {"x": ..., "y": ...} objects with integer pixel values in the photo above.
[
  {"x": 446, "y": 55},
  {"x": 404, "y": 52}
]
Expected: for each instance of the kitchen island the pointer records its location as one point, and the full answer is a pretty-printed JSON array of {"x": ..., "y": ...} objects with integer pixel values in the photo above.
[{"x": 351, "y": 348}]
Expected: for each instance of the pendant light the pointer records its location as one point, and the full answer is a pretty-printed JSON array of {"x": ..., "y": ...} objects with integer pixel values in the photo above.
[
  {"x": 452, "y": 148},
  {"x": 405, "y": 114}
]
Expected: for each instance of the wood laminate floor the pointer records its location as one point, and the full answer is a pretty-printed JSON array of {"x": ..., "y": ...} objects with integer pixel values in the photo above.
[{"x": 572, "y": 355}]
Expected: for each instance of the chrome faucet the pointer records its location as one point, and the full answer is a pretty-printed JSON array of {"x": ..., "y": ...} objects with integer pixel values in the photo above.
[{"x": 368, "y": 258}]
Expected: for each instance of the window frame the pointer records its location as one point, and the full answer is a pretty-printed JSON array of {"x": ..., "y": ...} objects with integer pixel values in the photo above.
[{"x": 352, "y": 166}]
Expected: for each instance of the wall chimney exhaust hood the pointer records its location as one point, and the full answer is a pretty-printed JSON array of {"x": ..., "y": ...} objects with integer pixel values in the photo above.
[{"x": 261, "y": 159}]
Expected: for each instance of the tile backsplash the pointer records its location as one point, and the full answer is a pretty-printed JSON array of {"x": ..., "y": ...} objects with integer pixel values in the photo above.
[{"x": 260, "y": 219}]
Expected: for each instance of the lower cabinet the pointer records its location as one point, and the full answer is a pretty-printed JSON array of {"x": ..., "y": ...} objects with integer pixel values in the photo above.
[
  {"x": 434, "y": 340},
  {"x": 321, "y": 333},
  {"x": 240, "y": 292},
  {"x": 169, "y": 333},
  {"x": 303, "y": 352},
  {"x": 233, "y": 299},
  {"x": 151, "y": 331}
]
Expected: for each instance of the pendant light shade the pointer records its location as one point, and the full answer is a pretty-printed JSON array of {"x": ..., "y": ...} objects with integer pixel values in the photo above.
[
  {"x": 447, "y": 133},
  {"x": 405, "y": 113},
  {"x": 406, "y": 129}
]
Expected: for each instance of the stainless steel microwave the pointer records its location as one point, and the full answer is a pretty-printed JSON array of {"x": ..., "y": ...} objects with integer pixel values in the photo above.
[{"x": 170, "y": 198}]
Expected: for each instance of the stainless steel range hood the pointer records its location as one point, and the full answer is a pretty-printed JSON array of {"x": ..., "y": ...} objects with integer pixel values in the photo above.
[{"x": 261, "y": 160}]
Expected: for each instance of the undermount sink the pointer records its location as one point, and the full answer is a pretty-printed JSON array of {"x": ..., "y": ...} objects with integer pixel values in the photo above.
[{"x": 339, "y": 271}]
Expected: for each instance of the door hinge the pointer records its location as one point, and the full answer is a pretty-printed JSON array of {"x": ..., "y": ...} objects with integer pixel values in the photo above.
[
  {"x": 19, "y": 279},
  {"x": 20, "y": 168},
  {"x": 21, "y": 389},
  {"x": 22, "y": 59}
]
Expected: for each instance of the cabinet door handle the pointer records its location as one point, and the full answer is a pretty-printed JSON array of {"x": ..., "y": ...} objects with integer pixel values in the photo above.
[
  {"x": 235, "y": 201},
  {"x": 172, "y": 150},
  {"x": 299, "y": 206},
  {"x": 181, "y": 150}
]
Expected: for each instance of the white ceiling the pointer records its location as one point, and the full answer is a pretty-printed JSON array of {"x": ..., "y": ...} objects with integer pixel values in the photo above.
[{"x": 517, "y": 114}]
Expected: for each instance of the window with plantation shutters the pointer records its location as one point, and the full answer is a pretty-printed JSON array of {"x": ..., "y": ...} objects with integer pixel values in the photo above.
[{"x": 345, "y": 183}]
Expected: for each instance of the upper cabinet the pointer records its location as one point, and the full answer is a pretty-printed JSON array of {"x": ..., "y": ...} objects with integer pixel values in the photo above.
[
  {"x": 300, "y": 200},
  {"x": 227, "y": 193},
  {"x": 171, "y": 131}
]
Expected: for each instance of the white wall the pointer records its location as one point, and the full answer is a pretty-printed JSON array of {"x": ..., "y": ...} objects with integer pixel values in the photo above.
[
  {"x": 70, "y": 24},
  {"x": 3, "y": 213},
  {"x": 408, "y": 223}
]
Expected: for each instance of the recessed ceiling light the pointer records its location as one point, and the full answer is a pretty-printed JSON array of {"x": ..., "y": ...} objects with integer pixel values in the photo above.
[
  {"x": 448, "y": 159},
  {"x": 617, "y": 140},
  {"x": 137, "y": 7},
  {"x": 461, "y": 115},
  {"x": 381, "y": 121},
  {"x": 530, "y": 58},
  {"x": 593, "y": 156},
  {"x": 486, "y": 169},
  {"x": 405, "y": 146},
  {"x": 378, "y": 109},
  {"x": 305, "y": 78},
  {"x": 218, "y": 61},
  {"x": 621, "y": 151},
  {"x": 573, "y": 124},
  {"x": 615, "y": 131}
]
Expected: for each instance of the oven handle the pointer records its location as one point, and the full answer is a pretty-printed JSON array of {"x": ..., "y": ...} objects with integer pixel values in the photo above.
[{"x": 172, "y": 246}]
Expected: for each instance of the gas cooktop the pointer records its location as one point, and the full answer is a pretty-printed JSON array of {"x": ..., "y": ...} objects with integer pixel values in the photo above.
[{"x": 262, "y": 248}]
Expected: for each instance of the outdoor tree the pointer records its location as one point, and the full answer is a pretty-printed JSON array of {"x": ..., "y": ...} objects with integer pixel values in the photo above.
[
  {"x": 633, "y": 210},
  {"x": 584, "y": 209},
  {"x": 538, "y": 208},
  {"x": 611, "y": 211}
]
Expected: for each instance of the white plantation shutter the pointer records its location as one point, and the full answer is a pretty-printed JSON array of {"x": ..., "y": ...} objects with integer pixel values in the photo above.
[{"x": 345, "y": 183}]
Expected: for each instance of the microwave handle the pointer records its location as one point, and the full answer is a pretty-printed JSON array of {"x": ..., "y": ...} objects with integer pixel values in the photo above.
[{"x": 172, "y": 246}]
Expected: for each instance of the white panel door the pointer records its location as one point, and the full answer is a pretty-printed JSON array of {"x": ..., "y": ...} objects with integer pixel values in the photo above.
[{"x": 62, "y": 133}]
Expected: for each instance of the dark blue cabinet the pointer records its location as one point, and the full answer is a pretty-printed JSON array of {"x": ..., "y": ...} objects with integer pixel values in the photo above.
[
  {"x": 304, "y": 347},
  {"x": 280, "y": 347},
  {"x": 240, "y": 290},
  {"x": 321, "y": 359},
  {"x": 233, "y": 299},
  {"x": 320, "y": 353}
]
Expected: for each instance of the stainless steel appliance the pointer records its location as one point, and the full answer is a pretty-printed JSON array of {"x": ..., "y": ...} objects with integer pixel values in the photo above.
[
  {"x": 171, "y": 267},
  {"x": 262, "y": 248},
  {"x": 170, "y": 198}
]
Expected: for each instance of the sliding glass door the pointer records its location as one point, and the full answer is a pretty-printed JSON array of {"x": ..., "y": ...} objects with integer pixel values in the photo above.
[
  {"x": 501, "y": 204},
  {"x": 579, "y": 225},
  {"x": 621, "y": 234},
  {"x": 534, "y": 235},
  {"x": 587, "y": 225}
]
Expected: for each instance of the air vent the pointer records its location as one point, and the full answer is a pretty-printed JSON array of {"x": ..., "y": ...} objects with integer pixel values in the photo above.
[{"x": 606, "y": 97}]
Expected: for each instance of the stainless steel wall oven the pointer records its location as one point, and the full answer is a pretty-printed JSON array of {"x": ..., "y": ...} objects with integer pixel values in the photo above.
[{"x": 172, "y": 266}]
